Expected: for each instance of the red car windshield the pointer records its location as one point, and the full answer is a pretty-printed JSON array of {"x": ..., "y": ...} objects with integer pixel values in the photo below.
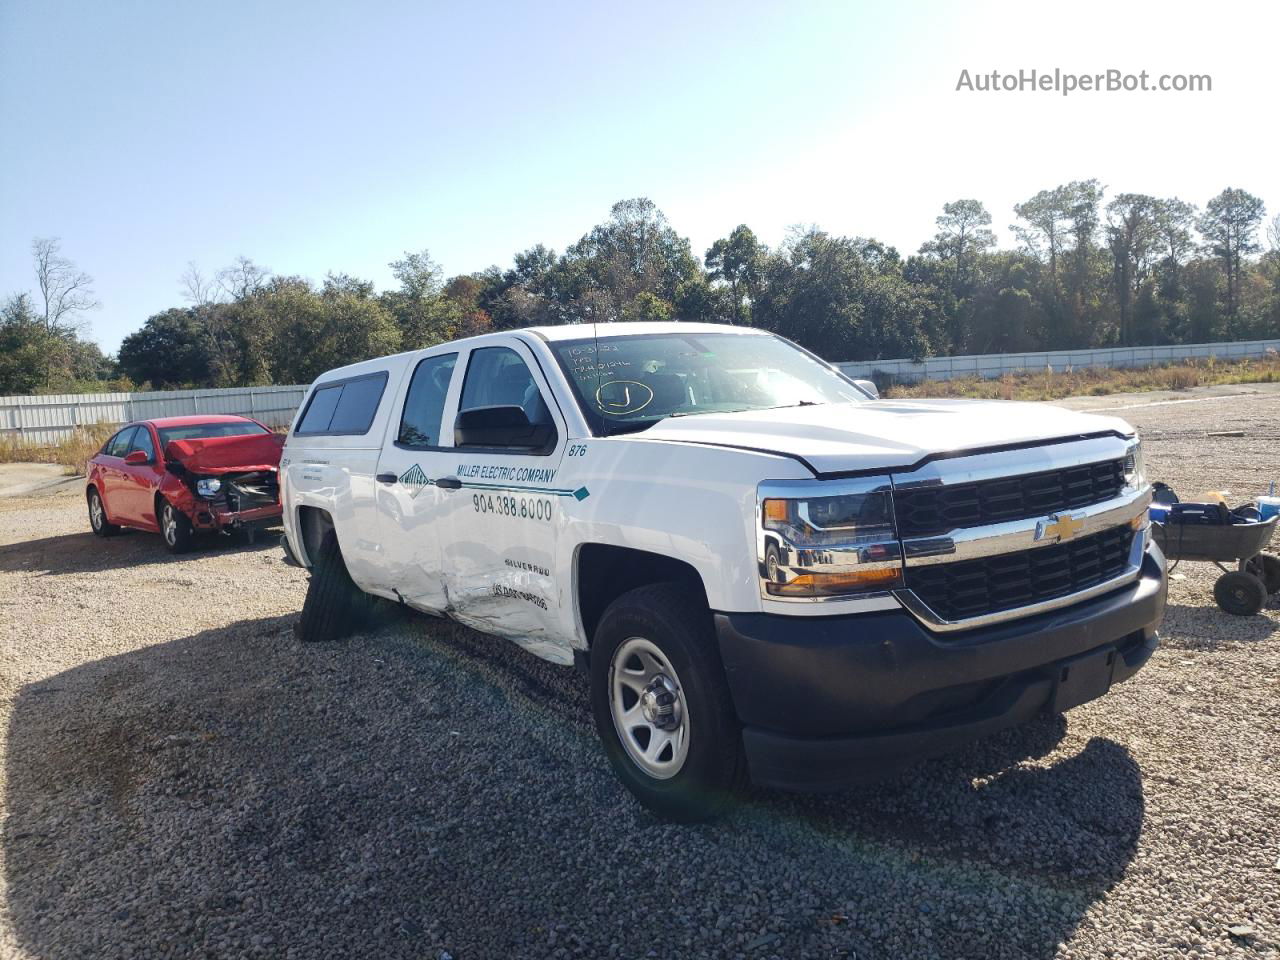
[{"x": 203, "y": 431}]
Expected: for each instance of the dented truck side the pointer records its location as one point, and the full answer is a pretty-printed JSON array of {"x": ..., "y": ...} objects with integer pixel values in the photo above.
[{"x": 769, "y": 573}]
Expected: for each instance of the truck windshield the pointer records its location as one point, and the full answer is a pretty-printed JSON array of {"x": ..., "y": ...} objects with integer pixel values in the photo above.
[{"x": 628, "y": 383}]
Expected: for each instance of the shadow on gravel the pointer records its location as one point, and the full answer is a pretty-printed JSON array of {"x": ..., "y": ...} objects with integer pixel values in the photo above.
[
  {"x": 86, "y": 553},
  {"x": 1204, "y": 626},
  {"x": 424, "y": 789}
]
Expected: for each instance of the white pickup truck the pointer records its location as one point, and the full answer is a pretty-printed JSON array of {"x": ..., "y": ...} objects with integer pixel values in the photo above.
[{"x": 768, "y": 573}]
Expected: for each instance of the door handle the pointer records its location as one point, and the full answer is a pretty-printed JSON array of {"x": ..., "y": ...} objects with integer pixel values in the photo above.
[
  {"x": 386, "y": 478},
  {"x": 449, "y": 483}
]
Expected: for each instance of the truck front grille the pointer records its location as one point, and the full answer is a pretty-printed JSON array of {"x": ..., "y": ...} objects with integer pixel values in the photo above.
[
  {"x": 972, "y": 588},
  {"x": 928, "y": 511}
]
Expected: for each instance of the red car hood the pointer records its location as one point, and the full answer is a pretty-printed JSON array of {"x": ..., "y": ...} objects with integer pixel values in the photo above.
[{"x": 259, "y": 451}]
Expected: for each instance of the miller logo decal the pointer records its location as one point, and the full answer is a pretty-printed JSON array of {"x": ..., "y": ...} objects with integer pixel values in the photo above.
[
  {"x": 415, "y": 479},
  {"x": 1059, "y": 526}
]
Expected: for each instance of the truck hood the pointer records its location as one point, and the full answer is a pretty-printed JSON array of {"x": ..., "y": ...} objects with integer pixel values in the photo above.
[
  {"x": 884, "y": 434},
  {"x": 259, "y": 451}
]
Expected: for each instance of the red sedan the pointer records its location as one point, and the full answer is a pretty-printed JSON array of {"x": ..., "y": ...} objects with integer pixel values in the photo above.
[{"x": 179, "y": 475}]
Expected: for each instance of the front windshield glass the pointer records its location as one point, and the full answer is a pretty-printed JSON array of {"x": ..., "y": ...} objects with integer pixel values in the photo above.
[
  {"x": 627, "y": 383},
  {"x": 206, "y": 431}
]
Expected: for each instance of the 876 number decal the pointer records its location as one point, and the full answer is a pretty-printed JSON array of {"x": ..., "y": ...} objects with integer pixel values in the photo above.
[{"x": 520, "y": 508}]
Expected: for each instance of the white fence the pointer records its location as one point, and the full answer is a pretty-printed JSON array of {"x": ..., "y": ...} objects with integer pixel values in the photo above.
[
  {"x": 992, "y": 365},
  {"x": 48, "y": 419}
]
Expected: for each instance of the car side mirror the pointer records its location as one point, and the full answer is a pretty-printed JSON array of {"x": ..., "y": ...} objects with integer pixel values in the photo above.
[
  {"x": 869, "y": 387},
  {"x": 501, "y": 426},
  {"x": 137, "y": 458}
]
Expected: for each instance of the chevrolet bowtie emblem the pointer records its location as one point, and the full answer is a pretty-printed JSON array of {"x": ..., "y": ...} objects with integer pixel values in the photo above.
[{"x": 1059, "y": 526}]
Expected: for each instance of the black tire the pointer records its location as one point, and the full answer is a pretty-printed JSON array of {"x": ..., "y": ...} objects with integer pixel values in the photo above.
[
  {"x": 98, "y": 515},
  {"x": 175, "y": 527},
  {"x": 335, "y": 607},
  {"x": 714, "y": 769},
  {"x": 1240, "y": 594},
  {"x": 1266, "y": 568}
]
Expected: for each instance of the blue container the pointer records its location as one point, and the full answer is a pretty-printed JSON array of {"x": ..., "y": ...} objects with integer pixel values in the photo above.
[{"x": 1269, "y": 506}]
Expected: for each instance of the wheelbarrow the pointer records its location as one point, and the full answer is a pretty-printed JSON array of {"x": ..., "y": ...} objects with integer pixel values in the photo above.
[{"x": 1209, "y": 532}]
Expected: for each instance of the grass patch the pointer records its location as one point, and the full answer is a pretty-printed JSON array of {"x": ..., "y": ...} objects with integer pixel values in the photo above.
[
  {"x": 73, "y": 451},
  {"x": 1090, "y": 381}
]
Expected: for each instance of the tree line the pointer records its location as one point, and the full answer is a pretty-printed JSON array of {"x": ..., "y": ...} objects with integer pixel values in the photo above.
[{"x": 1085, "y": 271}]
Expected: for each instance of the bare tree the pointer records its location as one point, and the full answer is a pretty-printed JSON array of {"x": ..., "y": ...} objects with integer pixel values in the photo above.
[
  {"x": 198, "y": 288},
  {"x": 1273, "y": 234},
  {"x": 66, "y": 290},
  {"x": 242, "y": 279}
]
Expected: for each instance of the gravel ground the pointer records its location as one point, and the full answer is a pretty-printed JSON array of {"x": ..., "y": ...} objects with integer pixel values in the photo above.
[{"x": 182, "y": 778}]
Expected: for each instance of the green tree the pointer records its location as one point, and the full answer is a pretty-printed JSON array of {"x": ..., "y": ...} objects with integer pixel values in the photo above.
[
  {"x": 1230, "y": 225},
  {"x": 171, "y": 350},
  {"x": 737, "y": 261},
  {"x": 1133, "y": 238},
  {"x": 843, "y": 298},
  {"x": 634, "y": 252}
]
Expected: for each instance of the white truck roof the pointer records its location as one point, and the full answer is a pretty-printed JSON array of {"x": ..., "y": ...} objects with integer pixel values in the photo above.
[{"x": 564, "y": 331}]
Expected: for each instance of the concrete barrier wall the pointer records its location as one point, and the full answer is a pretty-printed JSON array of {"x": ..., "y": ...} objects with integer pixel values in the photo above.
[
  {"x": 47, "y": 419},
  {"x": 993, "y": 365}
]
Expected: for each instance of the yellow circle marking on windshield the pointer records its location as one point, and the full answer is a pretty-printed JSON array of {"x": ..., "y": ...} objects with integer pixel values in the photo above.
[{"x": 633, "y": 397}]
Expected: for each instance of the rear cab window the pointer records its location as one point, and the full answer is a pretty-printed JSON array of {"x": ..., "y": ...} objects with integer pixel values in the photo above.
[
  {"x": 344, "y": 407},
  {"x": 421, "y": 423}
]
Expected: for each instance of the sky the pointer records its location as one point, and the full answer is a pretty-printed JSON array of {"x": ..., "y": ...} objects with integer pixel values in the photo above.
[{"x": 335, "y": 136}]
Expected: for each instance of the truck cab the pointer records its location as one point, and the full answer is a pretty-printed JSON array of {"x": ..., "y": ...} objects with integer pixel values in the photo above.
[{"x": 770, "y": 574}]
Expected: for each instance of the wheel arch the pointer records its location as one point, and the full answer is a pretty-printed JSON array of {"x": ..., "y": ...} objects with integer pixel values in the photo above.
[
  {"x": 603, "y": 572},
  {"x": 313, "y": 524}
]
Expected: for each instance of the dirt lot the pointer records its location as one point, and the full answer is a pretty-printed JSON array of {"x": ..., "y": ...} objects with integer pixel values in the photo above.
[{"x": 182, "y": 778}]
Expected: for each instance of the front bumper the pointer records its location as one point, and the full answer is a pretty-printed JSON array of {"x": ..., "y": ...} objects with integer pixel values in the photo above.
[
  {"x": 829, "y": 701},
  {"x": 217, "y": 516}
]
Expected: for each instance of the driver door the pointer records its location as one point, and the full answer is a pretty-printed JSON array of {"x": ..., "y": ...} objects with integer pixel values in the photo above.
[
  {"x": 503, "y": 508},
  {"x": 138, "y": 481}
]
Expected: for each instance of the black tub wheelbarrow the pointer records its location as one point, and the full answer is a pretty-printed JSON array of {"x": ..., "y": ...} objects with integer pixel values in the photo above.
[{"x": 1211, "y": 533}]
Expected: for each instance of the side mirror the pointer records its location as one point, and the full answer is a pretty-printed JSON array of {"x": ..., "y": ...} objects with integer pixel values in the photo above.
[
  {"x": 501, "y": 426},
  {"x": 137, "y": 458},
  {"x": 870, "y": 387}
]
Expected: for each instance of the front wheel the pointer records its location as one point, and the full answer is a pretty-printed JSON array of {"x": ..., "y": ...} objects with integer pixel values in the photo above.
[
  {"x": 175, "y": 527},
  {"x": 662, "y": 707}
]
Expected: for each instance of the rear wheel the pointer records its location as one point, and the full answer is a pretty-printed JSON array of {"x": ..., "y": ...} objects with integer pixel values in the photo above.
[
  {"x": 662, "y": 706},
  {"x": 1266, "y": 568},
  {"x": 175, "y": 527},
  {"x": 1240, "y": 594},
  {"x": 98, "y": 516},
  {"x": 335, "y": 606}
]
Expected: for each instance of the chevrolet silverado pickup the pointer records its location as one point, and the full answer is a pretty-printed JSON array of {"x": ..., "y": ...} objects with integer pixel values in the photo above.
[{"x": 768, "y": 573}]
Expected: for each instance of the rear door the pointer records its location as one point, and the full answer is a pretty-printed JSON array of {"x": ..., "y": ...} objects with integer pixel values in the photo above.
[
  {"x": 501, "y": 510},
  {"x": 416, "y": 453}
]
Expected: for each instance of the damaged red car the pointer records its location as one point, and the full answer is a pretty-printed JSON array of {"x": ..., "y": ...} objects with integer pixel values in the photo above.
[{"x": 178, "y": 476}]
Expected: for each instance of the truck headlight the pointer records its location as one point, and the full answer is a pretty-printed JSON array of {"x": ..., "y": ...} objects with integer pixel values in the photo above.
[
  {"x": 208, "y": 487},
  {"x": 1135, "y": 467},
  {"x": 827, "y": 539}
]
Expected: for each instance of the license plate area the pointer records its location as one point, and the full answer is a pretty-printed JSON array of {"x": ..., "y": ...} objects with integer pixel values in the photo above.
[{"x": 1083, "y": 679}]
